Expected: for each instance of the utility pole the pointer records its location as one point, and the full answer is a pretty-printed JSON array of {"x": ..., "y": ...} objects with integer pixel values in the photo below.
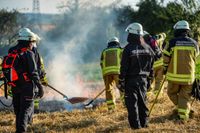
[
  {"x": 36, "y": 6},
  {"x": 36, "y": 15}
]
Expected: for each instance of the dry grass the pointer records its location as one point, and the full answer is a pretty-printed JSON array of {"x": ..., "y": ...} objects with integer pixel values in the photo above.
[{"x": 99, "y": 120}]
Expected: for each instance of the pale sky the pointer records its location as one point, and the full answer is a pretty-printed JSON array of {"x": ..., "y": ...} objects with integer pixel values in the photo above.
[{"x": 46, "y": 6}]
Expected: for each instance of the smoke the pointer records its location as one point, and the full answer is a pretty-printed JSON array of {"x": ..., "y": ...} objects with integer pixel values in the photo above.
[{"x": 78, "y": 39}]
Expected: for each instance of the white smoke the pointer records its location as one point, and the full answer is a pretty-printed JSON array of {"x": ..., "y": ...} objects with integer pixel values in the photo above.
[{"x": 66, "y": 56}]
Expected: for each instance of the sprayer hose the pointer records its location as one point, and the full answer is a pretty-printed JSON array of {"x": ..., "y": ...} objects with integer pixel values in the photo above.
[{"x": 8, "y": 106}]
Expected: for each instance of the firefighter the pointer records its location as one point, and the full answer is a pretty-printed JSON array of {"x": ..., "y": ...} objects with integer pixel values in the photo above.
[
  {"x": 39, "y": 62},
  {"x": 110, "y": 65},
  {"x": 158, "y": 53},
  {"x": 25, "y": 90},
  {"x": 41, "y": 70},
  {"x": 158, "y": 76},
  {"x": 136, "y": 65},
  {"x": 179, "y": 67}
]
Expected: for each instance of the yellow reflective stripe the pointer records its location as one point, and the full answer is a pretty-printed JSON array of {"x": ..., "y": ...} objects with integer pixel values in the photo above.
[
  {"x": 180, "y": 80},
  {"x": 183, "y": 116},
  {"x": 183, "y": 113},
  {"x": 175, "y": 62},
  {"x": 118, "y": 57},
  {"x": 165, "y": 64},
  {"x": 185, "y": 48},
  {"x": 158, "y": 63},
  {"x": 36, "y": 101},
  {"x": 180, "y": 77},
  {"x": 36, "y": 104},
  {"x": 166, "y": 52},
  {"x": 109, "y": 102},
  {"x": 111, "y": 69}
]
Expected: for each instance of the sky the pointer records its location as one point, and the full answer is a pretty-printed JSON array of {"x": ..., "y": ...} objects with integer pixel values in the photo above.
[{"x": 46, "y": 6}]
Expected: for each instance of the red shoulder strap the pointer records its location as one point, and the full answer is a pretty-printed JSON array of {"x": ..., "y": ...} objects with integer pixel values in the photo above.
[{"x": 23, "y": 50}]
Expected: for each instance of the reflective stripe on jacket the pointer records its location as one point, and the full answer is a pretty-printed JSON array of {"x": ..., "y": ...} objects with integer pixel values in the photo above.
[
  {"x": 181, "y": 53},
  {"x": 197, "y": 69},
  {"x": 158, "y": 63},
  {"x": 110, "y": 61}
]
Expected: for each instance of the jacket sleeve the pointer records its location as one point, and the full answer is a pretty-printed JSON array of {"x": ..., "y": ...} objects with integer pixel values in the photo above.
[
  {"x": 167, "y": 55},
  {"x": 158, "y": 52},
  {"x": 124, "y": 64},
  {"x": 40, "y": 64},
  {"x": 32, "y": 69}
]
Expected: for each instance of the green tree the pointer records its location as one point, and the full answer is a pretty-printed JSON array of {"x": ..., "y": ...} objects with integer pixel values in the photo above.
[{"x": 10, "y": 22}]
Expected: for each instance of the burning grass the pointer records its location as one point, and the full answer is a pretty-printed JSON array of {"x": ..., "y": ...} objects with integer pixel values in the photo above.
[{"x": 100, "y": 120}]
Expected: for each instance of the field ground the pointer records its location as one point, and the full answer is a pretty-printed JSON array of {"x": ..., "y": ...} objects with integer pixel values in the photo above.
[{"x": 100, "y": 120}]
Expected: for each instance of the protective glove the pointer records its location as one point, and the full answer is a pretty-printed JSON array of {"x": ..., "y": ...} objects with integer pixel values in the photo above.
[
  {"x": 44, "y": 81},
  {"x": 40, "y": 92},
  {"x": 121, "y": 85}
]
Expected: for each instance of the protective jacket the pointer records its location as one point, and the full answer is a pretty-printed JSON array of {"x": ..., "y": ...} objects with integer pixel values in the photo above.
[
  {"x": 136, "y": 61},
  {"x": 28, "y": 63},
  {"x": 179, "y": 60},
  {"x": 110, "y": 60},
  {"x": 38, "y": 60}
]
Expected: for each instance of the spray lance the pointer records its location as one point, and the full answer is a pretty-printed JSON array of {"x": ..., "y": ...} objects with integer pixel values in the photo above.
[
  {"x": 72, "y": 100},
  {"x": 87, "y": 105},
  {"x": 155, "y": 100}
]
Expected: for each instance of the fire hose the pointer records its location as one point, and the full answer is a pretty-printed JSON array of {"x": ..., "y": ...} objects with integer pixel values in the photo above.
[{"x": 5, "y": 93}]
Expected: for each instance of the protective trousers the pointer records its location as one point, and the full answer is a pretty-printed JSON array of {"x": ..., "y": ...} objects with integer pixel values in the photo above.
[
  {"x": 135, "y": 100},
  {"x": 23, "y": 104},
  {"x": 158, "y": 78},
  {"x": 180, "y": 95},
  {"x": 110, "y": 82}
]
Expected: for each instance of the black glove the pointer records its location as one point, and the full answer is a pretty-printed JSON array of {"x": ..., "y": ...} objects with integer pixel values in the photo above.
[
  {"x": 121, "y": 85},
  {"x": 40, "y": 92}
]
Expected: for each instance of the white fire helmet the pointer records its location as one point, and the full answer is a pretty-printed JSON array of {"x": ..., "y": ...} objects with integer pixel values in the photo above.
[
  {"x": 145, "y": 33},
  {"x": 135, "y": 28},
  {"x": 27, "y": 35},
  {"x": 113, "y": 39},
  {"x": 182, "y": 25},
  {"x": 164, "y": 35}
]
